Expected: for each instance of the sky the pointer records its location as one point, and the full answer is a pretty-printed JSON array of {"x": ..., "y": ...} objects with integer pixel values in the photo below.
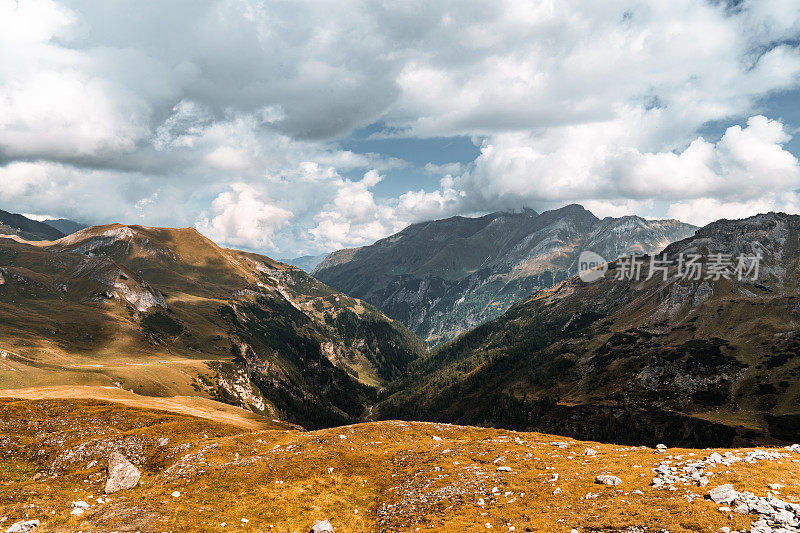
[{"x": 300, "y": 127}]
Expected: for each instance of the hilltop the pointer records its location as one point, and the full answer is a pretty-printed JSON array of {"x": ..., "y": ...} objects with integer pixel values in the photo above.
[
  {"x": 199, "y": 475},
  {"x": 445, "y": 277},
  {"x": 166, "y": 312}
]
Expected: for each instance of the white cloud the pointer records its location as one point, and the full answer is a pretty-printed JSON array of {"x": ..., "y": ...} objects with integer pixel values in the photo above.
[
  {"x": 242, "y": 218},
  {"x": 590, "y": 164},
  {"x": 705, "y": 210},
  {"x": 234, "y": 108}
]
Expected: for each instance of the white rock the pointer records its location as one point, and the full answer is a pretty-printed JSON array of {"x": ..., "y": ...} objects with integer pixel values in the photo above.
[
  {"x": 504, "y": 469},
  {"x": 176, "y": 494},
  {"x": 437, "y": 438},
  {"x": 605, "y": 479},
  {"x": 723, "y": 494},
  {"x": 557, "y": 491},
  {"x": 590, "y": 451},
  {"x": 122, "y": 475},
  {"x": 23, "y": 525},
  {"x": 322, "y": 527},
  {"x": 80, "y": 504}
]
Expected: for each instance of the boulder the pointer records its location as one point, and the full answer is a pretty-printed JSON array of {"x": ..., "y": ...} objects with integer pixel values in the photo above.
[
  {"x": 322, "y": 527},
  {"x": 122, "y": 475},
  {"x": 606, "y": 479},
  {"x": 22, "y": 526},
  {"x": 723, "y": 494}
]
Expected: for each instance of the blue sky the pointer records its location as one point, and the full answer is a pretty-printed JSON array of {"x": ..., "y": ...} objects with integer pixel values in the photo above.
[{"x": 300, "y": 127}]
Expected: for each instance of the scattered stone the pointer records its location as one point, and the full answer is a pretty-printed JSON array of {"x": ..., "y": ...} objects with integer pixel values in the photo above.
[
  {"x": 661, "y": 448},
  {"x": 590, "y": 451},
  {"x": 605, "y": 479},
  {"x": 322, "y": 527},
  {"x": 161, "y": 442},
  {"x": 504, "y": 469},
  {"x": 176, "y": 494},
  {"x": 437, "y": 439},
  {"x": 776, "y": 516},
  {"x": 557, "y": 491},
  {"x": 122, "y": 475},
  {"x": 79, "y": 507}
]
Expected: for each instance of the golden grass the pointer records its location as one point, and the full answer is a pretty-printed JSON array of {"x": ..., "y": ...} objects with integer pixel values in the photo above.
[{"x": 387, "y": 476}]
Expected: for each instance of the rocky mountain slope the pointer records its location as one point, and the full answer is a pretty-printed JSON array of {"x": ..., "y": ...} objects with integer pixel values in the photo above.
[
  {"x": 445, "y": 277},
  {"x": 681, "y": 360},
  {"x": 167, "y": 312},
  {"x": 376, "y": 477},
  {"x": 25, "y": 228}
]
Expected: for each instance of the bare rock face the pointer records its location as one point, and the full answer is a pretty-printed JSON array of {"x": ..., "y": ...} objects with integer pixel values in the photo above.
[{"x": 122, "y": 475}]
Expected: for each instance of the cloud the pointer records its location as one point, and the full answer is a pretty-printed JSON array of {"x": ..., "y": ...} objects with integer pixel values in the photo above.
[
  {"x": 231, "y": 114},
  {"x": 242, "y": 218},
  {"x": 590, "y": 164}
]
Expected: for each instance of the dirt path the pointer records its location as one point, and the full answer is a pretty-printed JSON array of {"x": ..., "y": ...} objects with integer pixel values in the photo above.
[{"x": 189, "y": 405}]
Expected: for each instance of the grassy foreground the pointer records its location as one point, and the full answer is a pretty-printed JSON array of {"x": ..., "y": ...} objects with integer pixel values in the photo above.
[{"x": 382, "y": 476}]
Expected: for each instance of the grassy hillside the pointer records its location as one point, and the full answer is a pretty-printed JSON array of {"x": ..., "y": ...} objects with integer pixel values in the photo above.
[{"x": 166, "y": 312}]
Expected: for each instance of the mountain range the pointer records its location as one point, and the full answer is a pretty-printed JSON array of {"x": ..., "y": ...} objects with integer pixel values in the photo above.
[
  {"x": 678, "y": 360},
  {"x": 445, "y": 277},
  {"x": 167, "y": 312}
]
